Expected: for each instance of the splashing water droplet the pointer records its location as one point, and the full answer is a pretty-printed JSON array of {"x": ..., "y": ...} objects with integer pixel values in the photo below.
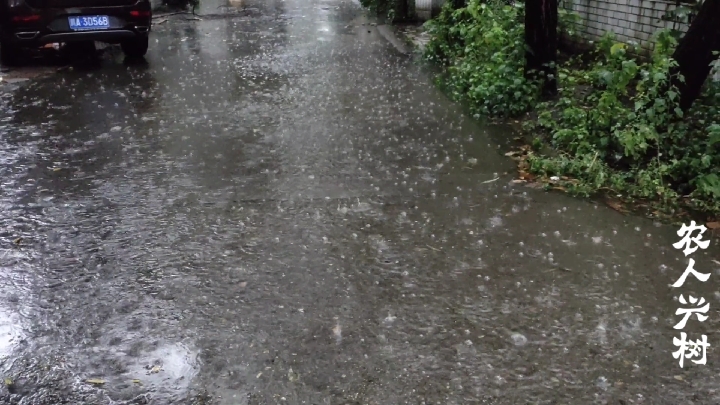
[{"x": 518, "y": 339}]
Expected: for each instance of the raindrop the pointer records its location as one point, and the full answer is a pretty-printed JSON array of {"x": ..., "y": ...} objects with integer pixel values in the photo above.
[
  {"x": 602, "y": 383},
  {"x": 518, "y": 339}
]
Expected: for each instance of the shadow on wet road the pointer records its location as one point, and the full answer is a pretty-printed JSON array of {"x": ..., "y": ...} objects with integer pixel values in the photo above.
[{"x": 279, "y": 207}]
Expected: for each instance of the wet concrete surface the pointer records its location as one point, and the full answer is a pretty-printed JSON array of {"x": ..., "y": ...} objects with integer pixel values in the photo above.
[{"x": 278, "y": 207}]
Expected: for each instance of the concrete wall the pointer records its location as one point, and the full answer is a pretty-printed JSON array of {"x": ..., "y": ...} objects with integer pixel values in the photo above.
[{"x": 630, "y": 20}]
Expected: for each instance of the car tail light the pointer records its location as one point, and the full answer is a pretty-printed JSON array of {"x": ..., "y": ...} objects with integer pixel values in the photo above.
[
  {"x": 26, "y": 18},
  {"x": 136, "y": 13}
]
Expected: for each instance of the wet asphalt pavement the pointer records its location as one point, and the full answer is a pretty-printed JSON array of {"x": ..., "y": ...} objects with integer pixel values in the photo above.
[{"x": 279, "y": 208}]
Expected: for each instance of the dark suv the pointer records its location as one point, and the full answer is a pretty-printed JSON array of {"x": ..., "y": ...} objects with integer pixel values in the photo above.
[{"x": 33, "y": 23}]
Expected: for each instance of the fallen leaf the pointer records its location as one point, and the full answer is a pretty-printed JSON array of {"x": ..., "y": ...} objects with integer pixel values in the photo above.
[
  {"x": 713, "y": 225},
  {"x": 559, "y": 188},
  {"x": 155, "y": 370},
  {"x": 525, "y": 175},
  {"x": 8, "y": 382},
  {"x": 57, "y": 169},
  {"x": 95, "y": 381},
  {"x": 678, "y": 377},
  {"x": 518, "y": 181},
  {"x": 512, "y": 153},
  {"x": 17, "y": 241},
  {"x": 616, "y": 206}
]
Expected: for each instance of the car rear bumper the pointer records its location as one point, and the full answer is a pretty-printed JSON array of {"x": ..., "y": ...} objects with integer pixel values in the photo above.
[
  {"x": 52, "y": 25},
  {"x": 37, "y": 38}
]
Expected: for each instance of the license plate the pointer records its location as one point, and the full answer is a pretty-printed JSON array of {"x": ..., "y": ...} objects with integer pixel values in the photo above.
[{"x": 89, "y": 22}]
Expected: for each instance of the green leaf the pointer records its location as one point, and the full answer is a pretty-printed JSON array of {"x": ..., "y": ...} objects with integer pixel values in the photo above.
[
  {"x": 714, "y": 136},
  {"x": 617, "y": 48}
]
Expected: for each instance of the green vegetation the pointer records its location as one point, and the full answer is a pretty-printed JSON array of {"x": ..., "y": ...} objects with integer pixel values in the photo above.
[
  {"x": 483, "y": 47},
  {"x": 615, "y": 126}
]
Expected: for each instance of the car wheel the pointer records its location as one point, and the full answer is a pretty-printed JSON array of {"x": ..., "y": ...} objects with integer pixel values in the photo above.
[
  {"x": 8, "y": 53},
  {"x": 136, "y": 48}
]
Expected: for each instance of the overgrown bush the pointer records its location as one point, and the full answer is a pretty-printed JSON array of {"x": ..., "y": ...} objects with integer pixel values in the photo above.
[
  {"x": 616, "y": 125},
  {"x": 628, "y": 135},
  {"x": 482, "y": 45}
]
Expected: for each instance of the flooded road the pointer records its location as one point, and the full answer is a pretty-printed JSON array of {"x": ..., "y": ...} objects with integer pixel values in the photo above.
[{"x": 279, "y": 208}]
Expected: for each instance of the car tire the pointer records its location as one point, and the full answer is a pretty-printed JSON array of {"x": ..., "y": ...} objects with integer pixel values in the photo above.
[
  {"x": 136, "y": 48},
  {"x": 9, "y": 53}
]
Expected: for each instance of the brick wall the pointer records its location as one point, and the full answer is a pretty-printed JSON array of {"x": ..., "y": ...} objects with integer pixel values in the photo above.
[{"x": 630, "y": 20}]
